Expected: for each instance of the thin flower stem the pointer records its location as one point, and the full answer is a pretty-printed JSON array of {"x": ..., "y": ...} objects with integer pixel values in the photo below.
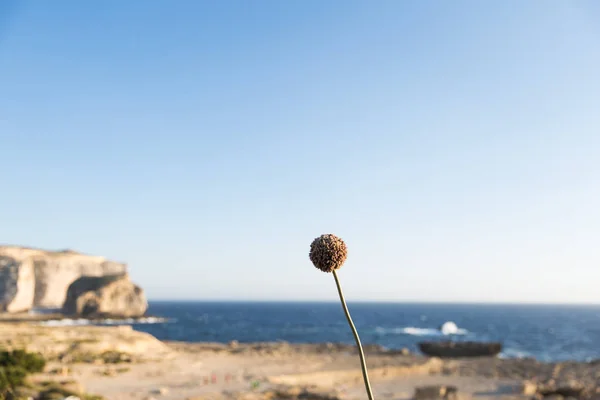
[{"x": 363, "y": 362}]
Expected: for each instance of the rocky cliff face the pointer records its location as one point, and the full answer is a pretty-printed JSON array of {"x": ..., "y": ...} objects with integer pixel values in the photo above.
[
  {"x": 105, "y": 296},
  {"x": 37, "y": 278},
  {"x": 17, "y": 284}
]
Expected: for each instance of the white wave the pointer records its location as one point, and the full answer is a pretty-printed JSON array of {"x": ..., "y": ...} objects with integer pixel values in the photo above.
[
  {"x": 108, "y": 321},
  {"x": 411, "y": 330},
  {"x": 66, "y": 322},
  {"x": 513, "y": 353},
  {"x": 415, "y": 331},
  {"x": 154, "y": 320},
  {"x": 449, "y": 328}
]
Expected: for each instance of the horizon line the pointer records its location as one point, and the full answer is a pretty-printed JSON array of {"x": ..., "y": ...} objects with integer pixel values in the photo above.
[{"x": 402, "y": 302}]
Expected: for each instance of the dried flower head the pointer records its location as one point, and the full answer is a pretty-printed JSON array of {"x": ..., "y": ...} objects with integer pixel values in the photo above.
[{"x": 328, "y": 252}]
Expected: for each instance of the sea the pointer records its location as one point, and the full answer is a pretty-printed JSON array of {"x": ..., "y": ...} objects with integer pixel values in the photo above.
[{"x": 543, "y": 332}]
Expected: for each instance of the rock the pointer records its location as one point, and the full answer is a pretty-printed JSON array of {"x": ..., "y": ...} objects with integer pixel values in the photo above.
[
  {"x": 402, "y": 352},
  {"x": 84, "y": 343},
  {"x": 554, "y": 397},
  {"x": 115, "y": 357},
  {"x": 435, "y": 392},
  {"x": 310, "y": 394},
  {"x": 451, "y": 393},
  {"x": 562, "y": 389},
  {"x": 528, "y": 388},
  {"x": 450, "y": 370},
  {"x": 37, "y": 278},
  {"x": 62, "y": 371},
  {"x": 17, "y": 284},
  {"x": 161, "y": 391},
  {"x": 371, "y": 348},
  {"x": 105, "y": 296},
  {"x": 284, "y": 392},
  {"x": 109, "y": 372},
  {"x": 460, "y": 349},
  {"x": 72, "y": 386}
]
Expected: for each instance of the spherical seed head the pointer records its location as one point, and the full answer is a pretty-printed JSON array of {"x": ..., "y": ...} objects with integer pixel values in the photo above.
[{"x": 328, "y": 252}]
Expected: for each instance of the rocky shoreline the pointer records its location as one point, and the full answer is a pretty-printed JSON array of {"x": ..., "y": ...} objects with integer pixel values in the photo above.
[
  {"x": 580, "y": 376},
  {"x": 59, "y": 317},
  {"x": 121, "y": 363}
]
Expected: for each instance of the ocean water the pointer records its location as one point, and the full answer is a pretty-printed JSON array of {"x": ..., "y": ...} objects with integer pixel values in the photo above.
[{"x": 547, "y": 333}]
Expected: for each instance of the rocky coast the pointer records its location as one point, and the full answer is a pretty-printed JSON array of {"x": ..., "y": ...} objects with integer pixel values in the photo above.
[
  {"x": 119, "y": 363},
  {"x": 67, "y": 281}
]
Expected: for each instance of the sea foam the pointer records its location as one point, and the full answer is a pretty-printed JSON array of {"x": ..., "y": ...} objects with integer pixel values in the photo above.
[{"x": 105, "y": 322}]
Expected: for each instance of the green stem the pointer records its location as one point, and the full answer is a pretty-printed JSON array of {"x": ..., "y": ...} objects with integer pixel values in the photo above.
[{"x": 363, "y": 362}]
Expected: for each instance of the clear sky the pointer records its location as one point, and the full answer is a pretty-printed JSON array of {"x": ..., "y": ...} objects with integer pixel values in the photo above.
[{"x": 454, "y": 145}]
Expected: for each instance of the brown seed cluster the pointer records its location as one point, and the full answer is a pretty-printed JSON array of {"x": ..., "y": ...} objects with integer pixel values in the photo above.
[{"x": 328, "y": 252}]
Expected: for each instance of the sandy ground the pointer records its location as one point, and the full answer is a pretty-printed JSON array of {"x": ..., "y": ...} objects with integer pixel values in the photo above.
[{"x": 190, "y": 374}]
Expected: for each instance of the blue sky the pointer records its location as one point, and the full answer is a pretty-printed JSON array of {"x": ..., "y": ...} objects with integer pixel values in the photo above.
[{"x": 453, "y": 145}]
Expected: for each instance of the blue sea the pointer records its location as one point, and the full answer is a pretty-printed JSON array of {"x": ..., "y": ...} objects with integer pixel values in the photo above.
[{"x": 547, "y": 333}]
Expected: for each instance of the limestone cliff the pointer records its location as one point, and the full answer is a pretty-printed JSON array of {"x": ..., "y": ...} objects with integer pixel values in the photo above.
[
  {"x": 17, "y": 284},
  {"x": 105, "y": 296},
  {"x": 38, "y": 278}
]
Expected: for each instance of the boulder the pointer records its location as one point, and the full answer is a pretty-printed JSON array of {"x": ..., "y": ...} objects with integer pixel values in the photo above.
[
  {"x": 34, "y": 278},
  {"x": 564, "y": 389},
  {"x": 402, "y": 352},
  {"x": 528, "y": 388},
  {"x": 460, "y": 349},
  {"x": 105, "y": 296},
  {"x": 90, "y": 344},
  {"x": 435, "y": 392}
]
